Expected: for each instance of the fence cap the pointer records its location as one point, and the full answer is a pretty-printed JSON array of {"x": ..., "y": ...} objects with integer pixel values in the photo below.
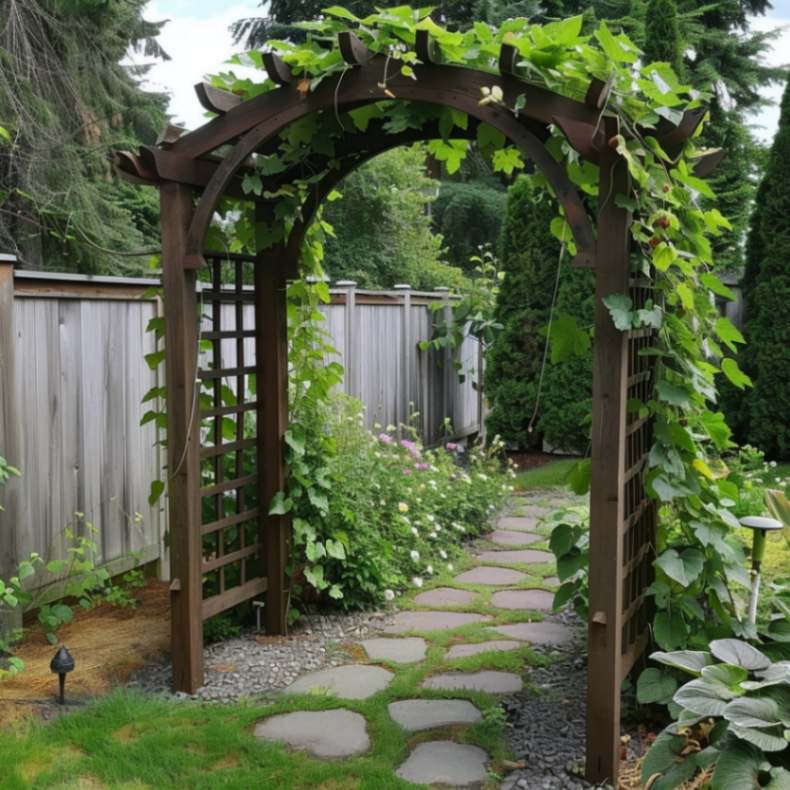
[
  {"x": 402, "y": 287},
  {"x": 346, "y": 283},
  {"x": 6, "y": 257}
]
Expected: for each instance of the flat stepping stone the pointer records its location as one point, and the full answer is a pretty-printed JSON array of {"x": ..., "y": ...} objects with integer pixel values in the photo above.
[
  {"x": 490, "y": 576},
  {"x": 352, "y": 681},
  {"x": 328, "y": 733},
  {"x": 518, "y": 523},
  {"x": 487, "y": 680},
  {"x": 535, "y": 511},
  {"x": 432, "y": 621},
  {"x": 552, "y": 581},
  {"x": 495, "y": 645},
  {"x": 539, "y": 600},
  {"x": 444, "y": 596},
  {"x": 425, "y": 714},
  {"x": 537, "y": 633},
  {"x": 524, "y": 556},
  {"x": 445, "y": 763},
  {"x": 399, "y": 651},
  {"x": 505, "y": 537}
]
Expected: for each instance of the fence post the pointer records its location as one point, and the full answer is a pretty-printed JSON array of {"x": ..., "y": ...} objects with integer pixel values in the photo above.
[
  {"x": 10, "y": 438},
  {"x": 405, "y": 354},
  {"x": 350, "y": 355},
  {"x": 447, "y": 364}
]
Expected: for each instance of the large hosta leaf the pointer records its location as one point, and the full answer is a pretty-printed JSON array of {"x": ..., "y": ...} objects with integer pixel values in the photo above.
[
  {"x": 654, "y": 685},
  {"x": 772, "y": 740},
  {"x": 701, "y": 698},
  {"x": 727, "y": 677},
  {"x": 691, "y": 661},
  {"x": 753, "y": 712},
  {"x": 683, "y": 568},
  {"x": 780, "y": 779},
  {"x": 742, "y": 654},
  {"x": 738, "y": 766}
]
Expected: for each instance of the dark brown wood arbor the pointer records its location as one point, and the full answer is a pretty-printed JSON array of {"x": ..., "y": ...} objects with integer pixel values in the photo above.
[{"x": 250, "y": 548}]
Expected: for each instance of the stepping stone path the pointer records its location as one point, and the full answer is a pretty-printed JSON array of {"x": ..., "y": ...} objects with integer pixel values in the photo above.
[
  {"x": 432, "y": 621},
  {"x": 399, "y": 651},
  {"x": 445, "y": 763},
  {"x": 445, "y": 596},
  {"x": 507, "y": 538},
  {"x": 495, "y": 645},
  {"x": 486, "y": 680},
  {"x": 537, "y": 600},
  {"x": 347, "y": 682},
  {"x": 518, "y": 523},
  {"x": 490, "y": 576},
  {"x": 537, "y": 633},
  {"x": 524, "y": 557},
  {"x": 428, "y": 714},
  {"x": 343, "y": 733},
  {"x": 328, "y": 733}
]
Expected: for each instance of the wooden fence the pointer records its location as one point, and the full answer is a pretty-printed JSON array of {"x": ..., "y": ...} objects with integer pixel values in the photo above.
[{"x": 73, "y": 374}]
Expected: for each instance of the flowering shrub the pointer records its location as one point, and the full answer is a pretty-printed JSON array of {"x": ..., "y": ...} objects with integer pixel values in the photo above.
[{"x": 396, "y": 512}]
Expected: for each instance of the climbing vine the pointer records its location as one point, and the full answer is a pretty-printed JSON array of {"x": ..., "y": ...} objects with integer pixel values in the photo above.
[{"x": 699, "y": 565}]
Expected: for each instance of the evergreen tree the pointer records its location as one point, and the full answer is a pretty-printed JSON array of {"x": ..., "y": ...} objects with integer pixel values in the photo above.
[
  {"x": 767, "y": 287},
  {"x": 67, "y": 102},
  {"x": 528, "y": 254},
  {"x": 662, "y": 36}
]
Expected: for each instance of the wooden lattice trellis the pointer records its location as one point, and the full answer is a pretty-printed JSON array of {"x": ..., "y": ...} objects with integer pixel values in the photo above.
[{"x": 224, "y": 476}]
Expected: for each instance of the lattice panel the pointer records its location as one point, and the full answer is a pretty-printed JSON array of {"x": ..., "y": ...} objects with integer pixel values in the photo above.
[
  {"x": 639, "y": 515},
  {"x": 231, "y": 566}
]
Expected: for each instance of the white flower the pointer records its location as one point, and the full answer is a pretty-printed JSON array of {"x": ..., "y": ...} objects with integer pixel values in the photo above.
[
  {"x": 389, "y": 595},
  {"x": 415, "y": 532},
  {"x": 415, "y": 555},
  {"x": 430, "y": 517},
  {"x": 481, "y": 476},
  {"x": 443, "y": 554},
  {"x": 402, "y": 507},
  {"x": 772, "y": 464},
  {"x": 390, "y": 428},
  {"x": 429, "y": 569},
  {"x": 450, "y": 566},
  {"x": 417, "y": 581},
  {"x": 434, "y": 535}
]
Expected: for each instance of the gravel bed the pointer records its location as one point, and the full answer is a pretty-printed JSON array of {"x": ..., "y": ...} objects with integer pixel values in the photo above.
[
  {"x": 547, "y": 720},
  {"x": 253, "y": 665}
]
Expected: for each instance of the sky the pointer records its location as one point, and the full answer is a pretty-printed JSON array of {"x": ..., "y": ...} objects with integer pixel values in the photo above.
[{"x": 198, "y": 41}]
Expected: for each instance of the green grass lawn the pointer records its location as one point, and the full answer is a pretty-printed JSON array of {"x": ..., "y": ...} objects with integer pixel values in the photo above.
[{"x": 550, "y": 475}]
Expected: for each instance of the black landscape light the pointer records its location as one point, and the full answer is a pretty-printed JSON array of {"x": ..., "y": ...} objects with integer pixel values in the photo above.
[{"x": 61, "y": 665}]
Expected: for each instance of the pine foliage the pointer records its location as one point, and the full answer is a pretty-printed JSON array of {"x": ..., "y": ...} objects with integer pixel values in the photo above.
[{"x": 662, "y": 36}]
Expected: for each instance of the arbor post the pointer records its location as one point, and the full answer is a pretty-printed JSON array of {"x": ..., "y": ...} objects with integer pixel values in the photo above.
[
  {"x": 271, "y": 343},
  {"x": 351, "y": 360},
  {"x": 610, "y": 382},
  {"x": 405, "y": 355},
  {"x": 183, "y": 440}
]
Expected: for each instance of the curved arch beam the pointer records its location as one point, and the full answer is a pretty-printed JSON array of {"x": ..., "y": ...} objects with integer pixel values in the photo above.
[{"x": 462, "y": 93}]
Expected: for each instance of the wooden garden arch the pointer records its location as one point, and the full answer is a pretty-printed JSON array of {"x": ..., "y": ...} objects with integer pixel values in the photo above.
[{"x": 194, "y": 170}]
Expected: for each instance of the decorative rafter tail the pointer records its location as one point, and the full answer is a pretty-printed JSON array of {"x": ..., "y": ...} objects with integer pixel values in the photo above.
[
  {"x": 672, "y": 137},
  {"x": 278, "y": 70},
  {"x": 507, "y": 60},
  {"x": 353, "y": 50},
  {"x": 598, "y": 93},
  {"x": 586, "y": 140},
  {"x": 707, "y": 163},
  {"x": 130, "y": 167},
  {"x": 169, "y": 135},
  {"x": 426, "y": 47},
  {"x": 216, "y": 100}
]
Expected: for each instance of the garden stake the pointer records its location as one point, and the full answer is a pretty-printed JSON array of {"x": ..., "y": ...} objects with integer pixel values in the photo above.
[{"x": 760, "y": 527}]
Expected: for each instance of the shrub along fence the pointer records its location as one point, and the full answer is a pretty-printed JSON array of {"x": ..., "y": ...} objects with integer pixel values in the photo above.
[{"x": 73, "y": 375}]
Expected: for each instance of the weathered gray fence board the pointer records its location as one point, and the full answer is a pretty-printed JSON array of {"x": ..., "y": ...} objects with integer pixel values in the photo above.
[{"x": 74, "y": 375}]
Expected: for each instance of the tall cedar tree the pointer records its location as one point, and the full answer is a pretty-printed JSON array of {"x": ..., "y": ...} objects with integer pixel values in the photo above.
[
  {"x": 67, "y": 102},
  {"x": 767, "y": 287},
  {"x": 662, "y": 36}
]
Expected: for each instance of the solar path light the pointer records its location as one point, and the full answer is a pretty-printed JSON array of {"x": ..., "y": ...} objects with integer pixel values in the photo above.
[{"x": 760, "y": 527}]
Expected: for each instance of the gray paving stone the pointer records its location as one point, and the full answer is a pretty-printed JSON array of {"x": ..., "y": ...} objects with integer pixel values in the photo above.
[
  {"x": 490, "y": 576},
  {"x": 518, "y": 523},
  {"x": 425, "y": 714},
  {"x": 328, "y": 733},
  {"x": 352, "y": 681},
  {"x": 445, "y": 763},
  {"x": 495, "y": 645},
  {"x": 539, "y": 600},
  {"x": 432, "y": 621},
  {"x": 505, "y": 537},
  {"x": 400, "y": 651},
  {"x": 535, "y": 511},
  {"x": 490, "y": 681},
  {"x": 552, "y": 581},
  {"x": 444, "y": 596},
  {"x": 537, "y": 633},
  {"x": 512, "y": 557}
]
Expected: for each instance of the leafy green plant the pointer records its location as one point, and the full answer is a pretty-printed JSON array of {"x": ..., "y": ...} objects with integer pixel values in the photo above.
[
  {"x": 122, "y": 594},
  {"x": 219, "y": 628},
  {"x": 733, "y": 717},
  {"x": 570, "y": 542}
]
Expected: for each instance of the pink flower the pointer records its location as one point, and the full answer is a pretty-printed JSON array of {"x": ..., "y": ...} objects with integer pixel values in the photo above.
[
  {"x": 407, "y": 471},
  {"x": 385, "y": 438},
  {"x": 421, "y": 467},
  {"x": 451, "y": 446}
]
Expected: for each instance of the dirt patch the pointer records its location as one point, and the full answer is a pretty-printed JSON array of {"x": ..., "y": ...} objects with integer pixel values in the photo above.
[
  {"x": 532, "y": 460},
  {"x": 107, "y": 643},
  {"x": 227, "y": 763}
]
